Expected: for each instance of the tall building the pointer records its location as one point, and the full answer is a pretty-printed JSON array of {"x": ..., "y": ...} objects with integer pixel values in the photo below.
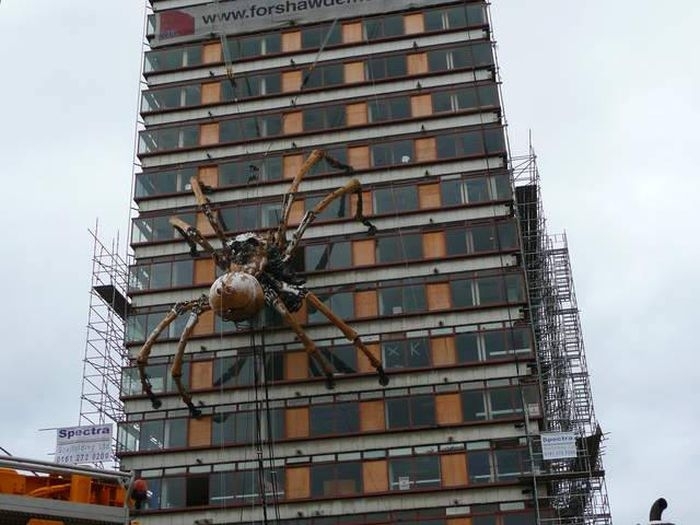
[{"x": 487, "y": 419}]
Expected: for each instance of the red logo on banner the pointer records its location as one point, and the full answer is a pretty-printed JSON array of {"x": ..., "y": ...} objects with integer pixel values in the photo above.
[{"x": 176, "y": 23}]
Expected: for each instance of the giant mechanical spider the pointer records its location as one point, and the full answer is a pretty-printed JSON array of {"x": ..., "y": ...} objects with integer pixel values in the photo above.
[{"x": 257, "y": 271}]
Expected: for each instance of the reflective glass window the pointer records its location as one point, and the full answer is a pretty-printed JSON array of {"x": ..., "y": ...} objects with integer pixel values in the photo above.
[
  {"x": 337, "y": 479},
  {"x": 402, "y": 299},
  {"x": 406, "y": 353},
  {"x": 410, "y": 473},
  {"x": 403, "y": 247}
]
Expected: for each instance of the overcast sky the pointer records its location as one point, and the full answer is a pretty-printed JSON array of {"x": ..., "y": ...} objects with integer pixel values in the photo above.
[{"x": 610, "y": 91}]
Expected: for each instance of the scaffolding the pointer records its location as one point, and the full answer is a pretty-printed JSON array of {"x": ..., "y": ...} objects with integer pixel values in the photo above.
[
  {"x": 566, "y": 491},
  {"x": 105, "y": 354}
]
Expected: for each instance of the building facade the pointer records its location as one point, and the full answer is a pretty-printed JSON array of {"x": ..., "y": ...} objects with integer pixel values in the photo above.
[{"x": 454, "y": 292}]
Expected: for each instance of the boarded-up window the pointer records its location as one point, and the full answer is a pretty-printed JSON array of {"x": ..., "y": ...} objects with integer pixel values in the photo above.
[
  {"x": 203, "y": 224},
  {"x": 292, "y": 123},
  {"x": 429, "y": 196},
  {"x": 372, "y": 415},
  {"x": 200, "y": 375},
  {"x": 454, "y": 470},
  {"x": 352, "y": 32},
  {"x": 291, "y": 41},
  {"x": 434, "y": 244},
  {"x": 291, "y": 165},
  {"x": 356, "y": 114},
  {"x": 211, "y": 92},
  {"x": 296, "y": 212},
  {"x": 291, "y": 81},
  {"x": 296, "y": 422},
  {"x": 366, "y": 304},
  {"x": 421, "y": 106},
  {"x": 374, "y": 476},
  {"x": 199, "y": 434},
  {"x": 363, "y": 364},
  {"x": 209, "y": 134},
  {"x": 363, "y": 252},
  {"x": 413, "y": 23},
  {"x": 297, "y": 481},
  {"x": 205, "y": 325},
  {"x": 459, "y": 521},
  {"x": 448, "y": 409},
  {"x": 208, "y": 175},
  {"x": 366, "y": 204},
  {"x": 296, "y": 365},
  {"x": 443, "y": 350},
  {"x": 425, "y": 149},
  {"x": 417, "y": 64},
  {"x": 354, "y": 72},
  {"x": 211, "y": 53},
  {"x": 438, "y": 296},
  {"x": 358, "y": 157},
  {"x": 204, "y": 271}
]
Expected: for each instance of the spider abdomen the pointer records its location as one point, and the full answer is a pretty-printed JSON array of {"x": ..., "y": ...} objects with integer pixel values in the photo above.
[{"x": 236, "y": 296}]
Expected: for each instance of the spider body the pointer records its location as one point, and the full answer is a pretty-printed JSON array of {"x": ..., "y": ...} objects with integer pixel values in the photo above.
[{"x": 257, "y": 270}]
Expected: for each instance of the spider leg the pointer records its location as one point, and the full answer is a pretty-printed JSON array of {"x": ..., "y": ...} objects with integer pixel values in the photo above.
[
  {"x": 142, "y": 357},
  {"x": 176, "y": 368},
  {"x": 308, "y": 343},
  {"x": 205, "y": 205},
  {"x": 315, "y": 156},
  {"x": 350, "y": 334},
  {"x": 352, "y": 186},
  {"x": 193, "y": 237}
]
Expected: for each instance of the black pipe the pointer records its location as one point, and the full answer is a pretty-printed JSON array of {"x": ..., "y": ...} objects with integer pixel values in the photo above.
[{"x": 657, "y": 509}]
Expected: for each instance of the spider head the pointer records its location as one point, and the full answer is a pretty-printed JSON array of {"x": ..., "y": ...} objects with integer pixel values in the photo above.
[{"x": 236, "y": 296}]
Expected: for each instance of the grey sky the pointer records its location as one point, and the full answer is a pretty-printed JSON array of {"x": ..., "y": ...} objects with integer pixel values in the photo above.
[{"x": 610, "y": 90}]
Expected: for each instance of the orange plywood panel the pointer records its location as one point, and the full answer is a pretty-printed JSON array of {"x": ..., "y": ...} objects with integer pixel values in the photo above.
[
  {"x": 297, "y": 481},
  {"x": 366, "y": 304},
  {"x": 199, "y": 434},
  {"x": 291, "y": 41},
  {"x": 421, "y": 106},
  {"x": 448, "y": 408},
  {"x": 443, "y": 350},
  {"x": 417, "y": 63},
  {"x": 375, "y": 477},
  {"x": 297, "y": 422},
  {"x": 211, "y": 52},
  {"x": 372, "y": 415},
  {"x": 438, "y": 296},
  {"x": 426, "y": 149},
  {"x": 211, "y": 92},
  {"x": 434, "y": 245},
  {"x": 201, "y": 374},
  {"x": 429, "y": 196},
  {"x": 363, "y": 252},
  {"x": 296, "y": 365},
  {"x": 209, "y": 134},
  {"x": 413, "y": 23},
  {"x": 352, "y": 32}
]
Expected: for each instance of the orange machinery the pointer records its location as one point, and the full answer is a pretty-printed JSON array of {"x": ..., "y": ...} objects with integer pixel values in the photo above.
[{"x": 43, "y": 493}]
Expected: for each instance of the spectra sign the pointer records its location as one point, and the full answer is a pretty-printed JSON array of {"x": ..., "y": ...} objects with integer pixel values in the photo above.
[{"x": 87, "y": 444}]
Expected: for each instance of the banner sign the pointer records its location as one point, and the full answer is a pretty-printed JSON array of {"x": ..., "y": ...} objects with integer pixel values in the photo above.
[
  {"x": 87, "y": 444},
  {"x": 243, "y": 16},
  {"x": 558, "y": 445}
]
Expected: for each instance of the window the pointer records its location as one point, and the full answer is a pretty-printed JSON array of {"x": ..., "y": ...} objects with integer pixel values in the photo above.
[
  {"x": 247, "y": 86},
  {"x": 316, "y": 119},
  {"x": 158, "y": 375},
  {"x": 385, "y": 67},
  {"x": 233, "y": 427},
  {"x": 170, "y": 274},
  {"x": 395, "y": 199},
  {"x": 399, "y": 248},
  {"x": 169, "y": 59},
  {"x": 341, "y": 303},
  {"x": 405, "y": 353},
  {"x": 173, "y": 493},
  {"x": 170, "y": 98},
  {"x": 475, "y": 55},
  {"x": 327, "y": 256},
  {"x": 322, "y": 35},
  {"x": 343, "y": 359},
  {"x": 253, "y": 46},
  {"x": 410, "y": 412},
  {"x": 338, "y": 479},
  {"x": 328, "y": 75},
  {"x": 160, "y": 434},
  {"x": 418, "y": 472},
  {"x": 391, "y": 153},
  {"x": 250, "y": 128},
  {"x": 337, "y": 209},
  {"x": 511, "y": 463},
  {"x": 492, "y": 344},
  {"x": 474, "y": 190},
  {"x": 465, "y": 98},
  {"x": 467, "y": 345},
  {"x": 473, "y": 406},
  {"x": 168, "y": 139},
  {"x": 479, "y": 466},
  {"x": 234, "y": 371},
  {"x": 462, "y": 292},
  {"x": 340, "y": 418},
  {"x": 243, "y": 487},
  {"x": 383, "y": 27},
  {"x": 454, "y": 17},
  {"x": 505, "y": 402},
  {"x": 164, "y": 182},
  {"x": 402, "y": 299},
  {"x": 380, "y": 110},
  {"x": 249, "y": 171}
]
